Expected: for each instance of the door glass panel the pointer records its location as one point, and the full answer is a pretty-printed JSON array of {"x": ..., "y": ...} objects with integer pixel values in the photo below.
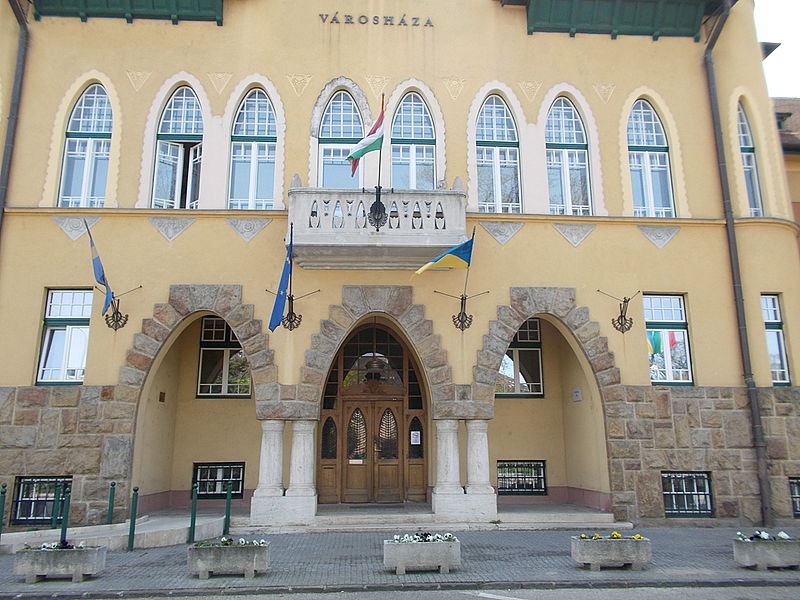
[
  {"x": 415, "y": 447},
  {"x": 357, "y": 436},
  {"x": 387, "y": 436},
  {"x": 329, "y": 439}
]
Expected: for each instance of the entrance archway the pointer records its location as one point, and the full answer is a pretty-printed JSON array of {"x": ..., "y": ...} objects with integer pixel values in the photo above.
[{"x": 373, "y": 423}]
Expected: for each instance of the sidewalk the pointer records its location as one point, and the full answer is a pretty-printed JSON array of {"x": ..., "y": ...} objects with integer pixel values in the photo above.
[{"x": 354, "y": 561}]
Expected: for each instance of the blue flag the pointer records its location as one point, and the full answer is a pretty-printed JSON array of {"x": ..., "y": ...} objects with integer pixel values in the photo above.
[
  {"x": 283, "y": 289},
  {"x": 99, "y": 273}
]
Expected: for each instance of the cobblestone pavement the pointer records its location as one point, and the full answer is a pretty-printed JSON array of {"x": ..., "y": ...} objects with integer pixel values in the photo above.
[{"x": 354, "y": 561}]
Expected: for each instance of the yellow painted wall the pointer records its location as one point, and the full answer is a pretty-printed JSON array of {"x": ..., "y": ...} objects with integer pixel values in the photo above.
[{"x": 9, "y": 36}]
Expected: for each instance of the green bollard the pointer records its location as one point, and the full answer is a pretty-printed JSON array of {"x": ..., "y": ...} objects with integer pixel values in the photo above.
[
  {"x": 132, "y": 529},
  {"x": 194, "y": 514},
  {"x": 65, "y": 516},
  {"x": 57, "y": 500},
  {"x": 111, "y": 491},
  {"x": 228, "y": 491},
  {"x": 2, "y": 506}
]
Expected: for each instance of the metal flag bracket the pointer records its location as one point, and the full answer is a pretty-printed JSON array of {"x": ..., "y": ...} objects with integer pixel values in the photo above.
[
  {"x": 462, "y": 320},
  {"x": 622, "y": 322},
  {"x": 114, "y": 318},
  {"x": 291, "y": 320}
]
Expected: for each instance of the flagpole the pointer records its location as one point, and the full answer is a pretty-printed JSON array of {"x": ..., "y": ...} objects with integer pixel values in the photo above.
[
  {"x": 466, "y": 277},
  {"x": 380, "y": 151},
  {"x": 291, "y": 251}
]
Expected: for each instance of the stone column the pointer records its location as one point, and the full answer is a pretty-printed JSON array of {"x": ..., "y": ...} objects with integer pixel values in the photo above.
[
  {"x": 270, "y": 470},
  {"x": 301, "y": 474},
  {"x": 478, "y": 457},
  {"x": 448, "y": 491}
]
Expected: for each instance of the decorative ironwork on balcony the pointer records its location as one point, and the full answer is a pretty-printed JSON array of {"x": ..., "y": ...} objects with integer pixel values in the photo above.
[{"x": 332, "y": 228}]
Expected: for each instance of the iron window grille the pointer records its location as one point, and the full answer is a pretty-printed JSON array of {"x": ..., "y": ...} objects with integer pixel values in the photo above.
[
  {"x": 687, "y": 494},
  {"x": 521, "y": 478},
  {"x": 35, "y": 498},
  {"x": 213, "y": 478},
  {"x": 794, "y": 493}
]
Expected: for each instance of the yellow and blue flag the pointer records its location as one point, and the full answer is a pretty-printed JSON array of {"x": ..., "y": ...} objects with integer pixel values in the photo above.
[
  {"x": 99, "y": 273},
  {"x": 283, "y": 287},
  {"x": 457, "y": 257}
]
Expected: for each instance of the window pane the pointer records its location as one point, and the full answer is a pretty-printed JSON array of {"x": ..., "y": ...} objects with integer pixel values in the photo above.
[
  {"x": 238, "y": 373},
  {"x": 401, "y": 167},
  {"x": 92, "y": 112},
  {"x": 412, "y": 119},
  {"x": 356, "y": 437},
  {"x": 669, "y": 355},
  {"x": 336, "y": 171},
  {"x": 168, "y": 159},
  {"x": 555, "y": 182},
  {"x": 72, "y": 178},
  {"x": 425, "y": 168},
  {"x": 211, "y": 371},
  {"x": 255, "y": 116},
  {"x": 495, "y": 123},
  {"x": 530, "y": 374},
  {"x": 53, "y": 355},
  {"x": 341, "y": 118},
  {"x": 265, "y": 175},
  {"x": 240, "y": 173},
  {"x": 777, "y": 356},
  {"x": 193, "y": 192},
  {"x": 564, "y": 126},
  {"x": 644, "y": 126},
  {"x": 97, "y": 190},
  {"x": 486, "y": 201},
  {"x": 505, "y": 376},
  {"x": 637, "y": 183},
  {"x": 509, "y": 180},
  {"x": 182, "y": 114}
]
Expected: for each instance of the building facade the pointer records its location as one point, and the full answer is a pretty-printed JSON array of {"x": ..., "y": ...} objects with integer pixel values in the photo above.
[{"x": 628, "y": 337}]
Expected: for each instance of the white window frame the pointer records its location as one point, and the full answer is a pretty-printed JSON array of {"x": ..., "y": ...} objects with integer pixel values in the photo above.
[
  {"x": 497, "y": 143},
  {"x": 254, "y": 131},
  {"x": 88, "y": 137},
  {"x": 413, "y": 132},
  {"x": 648, "y": 152},
  {"x": 229, "y": 345},
  {"x": 665, "y": 319},
  {"x": 776, "y": 341},
  {"x": 567, "y": 151},
  {"x": 71, "y": 318},
  {"x": 528, "y": 340},
  {"x": 749, "y": 165},
  {"x": 339, "y": 136}
]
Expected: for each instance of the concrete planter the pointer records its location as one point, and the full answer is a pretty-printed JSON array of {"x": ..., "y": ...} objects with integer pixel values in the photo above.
[
  {"x": 421, "y": 555},
  {"x": 75, "y": 562},
  {"x": 766, "y": 554},
  {"x": 607, "y": 552},
  {"x": 245, "y": 559}
]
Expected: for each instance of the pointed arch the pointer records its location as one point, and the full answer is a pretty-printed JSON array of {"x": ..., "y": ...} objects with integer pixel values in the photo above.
[{"x": 52, "y": 183}]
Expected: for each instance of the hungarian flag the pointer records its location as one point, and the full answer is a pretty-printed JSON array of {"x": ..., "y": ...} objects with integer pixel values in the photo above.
[{"x": 373, "y": 141}]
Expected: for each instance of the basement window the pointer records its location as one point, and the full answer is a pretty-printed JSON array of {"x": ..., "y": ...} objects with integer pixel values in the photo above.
[
  {"x": 213, "y": 478},
  {"x": 687, "y": 494},
  {"x": 794, "y": 492},
  {"x": 521, "y": 478},
  {"x": 36, "y": 497}
]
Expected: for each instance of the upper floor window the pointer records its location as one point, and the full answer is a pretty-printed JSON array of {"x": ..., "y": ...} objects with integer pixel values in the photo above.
[
  {"x": 66, "y": 336},
  {"x": 179, "y": 152},
  {"x": 88, "y": 144},
  {"x": 648, "y": 155},
  {"x": 413, "y": 146},
  {"x": 567, "y": 160},
  {"x": 340, "y": 130},
  {"x": 776, "y": 343},
  {"x": 667, "y": 339},
  {"x": 748, "y": 152},
  {"x": 223, "y": 370},
  {"x": 253, "y": 154},
  {"x": 498, "y": 159},
  {"x": 521, "y": 368}
]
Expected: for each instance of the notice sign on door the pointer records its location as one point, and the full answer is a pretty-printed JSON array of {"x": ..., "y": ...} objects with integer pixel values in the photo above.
[{"x": 416, "y": 438}]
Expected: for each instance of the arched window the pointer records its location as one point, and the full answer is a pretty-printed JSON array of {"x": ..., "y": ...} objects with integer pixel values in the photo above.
[
  {"x": 253, "y": 154},
  {"x": 413, "y": 145},
  {"x": 648, "y": 155},
  {"x": 179, "y": 152},
  {"x": 88, "y": 144},
  {"x": 498, "y": 158},
  {"x": 567, "y": 160},
  {"x": 340, "y": 130},
  {"x": 748, "y": 151}
]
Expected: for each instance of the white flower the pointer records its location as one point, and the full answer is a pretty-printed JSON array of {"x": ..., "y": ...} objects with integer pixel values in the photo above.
[
  {"x": 262, "y": 543},
  {"x": 45, "y": 547},
  {"x": 242, "y": 542},
  {"x": 763, "y": 535},
  {"x": 224, "y": 539},
  {"x": 783, "y": 535},
  {"x": 81, "y": 544}
]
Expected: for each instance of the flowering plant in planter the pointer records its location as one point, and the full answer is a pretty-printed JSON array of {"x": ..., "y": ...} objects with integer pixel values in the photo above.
[
  {"x": 614, "y": 535},
  {"x": 229, "y": 541},
  {"x": 613, "y": 550},
  {"x": 422, "y": 550},
  {"x": 424, "y": 536},
  {"x": 62, "y": 545},
  {"x": 764, "y": 536},
  {"x": 763, "y": 550},
  {"x": 228, "y": 556}
]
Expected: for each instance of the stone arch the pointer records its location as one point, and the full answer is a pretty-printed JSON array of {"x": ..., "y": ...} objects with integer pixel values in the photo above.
[
  {"x": 358, "y": 301},
  {"x": 558, "y": 302},
  {"x": 184, "y": 300}
]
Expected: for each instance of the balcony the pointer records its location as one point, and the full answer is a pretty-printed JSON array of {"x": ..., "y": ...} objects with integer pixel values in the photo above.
[{"x": 332, "y": 229}]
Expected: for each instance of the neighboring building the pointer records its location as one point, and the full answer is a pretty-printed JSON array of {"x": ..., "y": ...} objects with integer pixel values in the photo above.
[
  {"x": 578, "y": 144},
  {"x": 787, "y": 113}
]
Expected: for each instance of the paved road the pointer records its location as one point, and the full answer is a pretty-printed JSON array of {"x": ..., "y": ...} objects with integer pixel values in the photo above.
[{"x": 491, "y": 560}]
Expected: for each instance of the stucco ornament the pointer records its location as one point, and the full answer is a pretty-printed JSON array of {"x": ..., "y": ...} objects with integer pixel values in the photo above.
[
  {"x": 219, "y": 80},
  {"x": 248, "y": 228},
  {"x": 299, "y": 82},
  {"x": 604, "y": 90},
  {"x": 502, "y": 232},
  {"x": 137, "y": 79},
  {"x": 574, "y": 233},
  {"x": 377, "y": 83},
  {"x": 171, "y": 227},
  {"x": 530, "y": 89},
  {"x": 454, "y": 86},
  {"x": 73, "y": 226},
  {"x": 660, "y": 235}
]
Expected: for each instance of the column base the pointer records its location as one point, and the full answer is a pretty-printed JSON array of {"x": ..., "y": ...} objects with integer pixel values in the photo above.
[
  {"x": 465, "y": 507},
  {"x": 283, "y": 510}
]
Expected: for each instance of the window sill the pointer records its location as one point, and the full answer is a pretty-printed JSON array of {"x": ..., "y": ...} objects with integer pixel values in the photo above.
[
  {"x": 507, "y": 395},
  {"x": 54, "y": 383},
  {"x": 672, "y": 383},
  {"x": 223, "y": 397}
]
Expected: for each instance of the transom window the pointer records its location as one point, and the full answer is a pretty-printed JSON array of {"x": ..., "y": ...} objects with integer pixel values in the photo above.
[
  {"x": 497, "y": 159},
  {"x": 212, "y": 479},
  {"x": 223, "y": 369},
  {"x": 413, "y": 145},
  {"x": 567, "y": 160},
  {"x": 687, "y": 494},
  {"x": 253, "y": 154},
  {"x": 340, "y": 130},
  {"x": 65, "y": 339},
  {"x": 648, "y": 155},
  {"x": 521, "y": 368},
  {"x": 35, "y": 499},
  {"x": 86, "y": 151},
  {"x": 521, "y": 478},
  {"x": 748, "y": 152},
  {"x": 667, "y": 339},
  {"x": 179, "y": 152},
  {"x": 776, "y": 343}
]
